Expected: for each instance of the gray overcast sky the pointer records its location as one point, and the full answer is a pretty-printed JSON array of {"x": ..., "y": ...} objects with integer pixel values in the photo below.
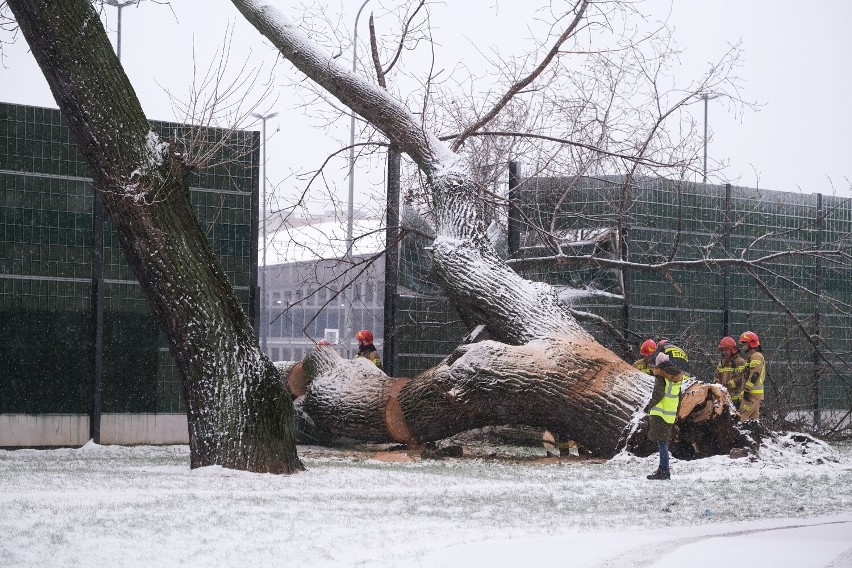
[{"x": 797, "y": 61}]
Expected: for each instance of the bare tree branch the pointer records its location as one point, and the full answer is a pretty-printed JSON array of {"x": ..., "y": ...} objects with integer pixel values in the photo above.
[
  {"x": 589, "y": 260},
  {"x": 579, "y": 10}
]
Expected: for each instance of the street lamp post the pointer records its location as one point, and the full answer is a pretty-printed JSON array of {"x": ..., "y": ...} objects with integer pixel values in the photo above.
[
  {"x": 264, "y": 309},
  {"x": 706, "y": 98},
  {"x": 120, "y": 4},
  {"x": 348, "y": 317},
  {"x": 97, "y": 288}
]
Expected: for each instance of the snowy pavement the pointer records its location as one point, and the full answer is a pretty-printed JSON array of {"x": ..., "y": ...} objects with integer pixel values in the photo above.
[
  {"x": 143, "y": 506},
  {"x": 788, "y": 543}
]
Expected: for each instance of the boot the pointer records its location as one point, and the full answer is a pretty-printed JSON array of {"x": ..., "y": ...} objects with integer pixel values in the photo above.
[{"x": 660, "y": 474}]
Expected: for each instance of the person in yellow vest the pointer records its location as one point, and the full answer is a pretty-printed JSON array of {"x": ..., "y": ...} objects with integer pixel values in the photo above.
[
  {"x": 755, "y": 373},
  {"x": 669, "y": 365},
  {"x": 730, "y": 372},
  {"x": 646, "y": 350}
]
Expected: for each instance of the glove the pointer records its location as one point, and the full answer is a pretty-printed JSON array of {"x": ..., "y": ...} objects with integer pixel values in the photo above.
[{"x": 747, "y": 397}]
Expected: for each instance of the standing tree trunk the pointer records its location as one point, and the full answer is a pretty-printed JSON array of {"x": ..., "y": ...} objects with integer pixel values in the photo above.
[{"x": 238, "y": 415}]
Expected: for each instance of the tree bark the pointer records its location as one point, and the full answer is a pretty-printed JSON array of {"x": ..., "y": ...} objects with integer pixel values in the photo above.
[
  {"x": 550, "y": 347},
  {"x": 239, "y": 416},
  {"x": 548, "y": 372},
  {"x": 578, "y": 390},
  {"x": 537, "y": 384}
]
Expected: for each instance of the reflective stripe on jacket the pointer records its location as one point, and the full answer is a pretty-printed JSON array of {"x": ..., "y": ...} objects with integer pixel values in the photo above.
[
  {"x": 667, "y": 407},
  {"x": 755, "y": 374},
  {"x": 731, "y": 374},
  {"x": 642, "y": 365}
]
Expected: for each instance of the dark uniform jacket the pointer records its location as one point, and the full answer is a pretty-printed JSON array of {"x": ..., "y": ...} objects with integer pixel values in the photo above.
[{"x": 369, "y": 352}]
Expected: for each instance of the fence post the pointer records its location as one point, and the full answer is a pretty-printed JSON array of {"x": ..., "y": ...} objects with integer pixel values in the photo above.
[
  {"x": 726, "y": 270},
  {"x": 97, "y": 303},
  {"x": 391, "y": 260},
  {"x": 817, "y": 378},
  {"x": 514, "y": 220},
  {"x": 625, "y": 273}
]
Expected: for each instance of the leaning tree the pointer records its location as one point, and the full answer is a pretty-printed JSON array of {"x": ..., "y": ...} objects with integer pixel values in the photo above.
[
  {"x": 541, "y": 369},
  {"x": 238, "y": 415}
]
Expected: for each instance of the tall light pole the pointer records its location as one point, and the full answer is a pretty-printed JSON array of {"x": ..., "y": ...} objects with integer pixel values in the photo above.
[
  {"x": 120, "y": 4},
  {"x": 347, "y": 325},
  {"x": 264, "y": 309},
  {"x": 97, "y": 298},
  {"x": 706, "y": 97}
]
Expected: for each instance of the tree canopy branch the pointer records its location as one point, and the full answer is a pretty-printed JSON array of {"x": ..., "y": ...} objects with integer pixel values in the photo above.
[{"x": 525, "y": 82}]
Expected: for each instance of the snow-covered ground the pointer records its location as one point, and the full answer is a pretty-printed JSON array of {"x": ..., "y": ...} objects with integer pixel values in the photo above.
[{"x": 142, "y": 506}]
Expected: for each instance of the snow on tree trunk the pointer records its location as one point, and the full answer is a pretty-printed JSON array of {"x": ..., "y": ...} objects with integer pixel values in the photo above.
[
  {"x": 239, "y": 416},
  {"x": 481, "y": 286},
  {"x": 549, "y": 371},
  {"x": 352, "y": 408},
  {"x": 576, "y": 388}
]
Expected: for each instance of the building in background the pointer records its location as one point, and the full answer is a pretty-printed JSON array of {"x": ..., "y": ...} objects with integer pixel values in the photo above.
[
  {"x": 306, "y": 278},
  {"x": 47, "y": 333},
  {"x": 305, "y": 305}
]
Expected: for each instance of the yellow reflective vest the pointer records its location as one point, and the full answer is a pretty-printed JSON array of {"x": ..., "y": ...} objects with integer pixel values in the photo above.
[{"x": 667, "y": 407}]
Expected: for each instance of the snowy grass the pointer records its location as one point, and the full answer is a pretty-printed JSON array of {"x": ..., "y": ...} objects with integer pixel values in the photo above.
[{"x": 142, "y": 506}]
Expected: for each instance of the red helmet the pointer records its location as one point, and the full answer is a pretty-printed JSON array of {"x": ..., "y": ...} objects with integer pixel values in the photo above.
[
  {"x": 750, "y": 338},
  {"x": 323, "y": 343},
  {"x": 729, "y": 343},
  {"x": 364, "y": 335},
  {"x": 648, "y": 347}
]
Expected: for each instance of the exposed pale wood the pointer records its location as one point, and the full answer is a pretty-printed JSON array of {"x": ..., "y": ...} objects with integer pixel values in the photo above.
[
  {"x": 702, "y": 402},
  {"x": 297, "y": 380},
  {"x": 394, "y": 418}
]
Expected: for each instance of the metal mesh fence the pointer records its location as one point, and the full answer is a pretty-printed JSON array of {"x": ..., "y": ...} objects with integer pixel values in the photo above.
[
  {"x": 46, "y": 233},
  {"x": 808, "y": 299}
]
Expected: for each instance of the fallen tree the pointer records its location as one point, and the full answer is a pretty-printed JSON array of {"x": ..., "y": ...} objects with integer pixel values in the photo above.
[
  {"x": 546, "y": 370},
  {"x": 537, "y": 384}
]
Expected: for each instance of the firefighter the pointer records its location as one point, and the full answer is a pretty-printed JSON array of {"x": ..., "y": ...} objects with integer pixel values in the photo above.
[
  {"x": 366, "y": 348},
  {"x": 730, "y": 372},
  {"x": 646, "y": 349},
  {"x": 670, "y": 366},
  {"x": 754, "y": 374}
]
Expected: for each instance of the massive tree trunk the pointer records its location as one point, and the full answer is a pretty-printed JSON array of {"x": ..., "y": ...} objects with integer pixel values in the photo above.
[
  {"x": 578, "y": 389},
  {"x": 239, "y": 417},
  {"x": 548, "y": 371},
  {"x": 596, "y": 401}
]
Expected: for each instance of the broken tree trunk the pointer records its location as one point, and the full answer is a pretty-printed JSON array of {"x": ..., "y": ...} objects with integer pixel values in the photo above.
[
  {"x": 548, "y": 372},
  {"x": 707, "y": 425},
  {"x": 490, "y": 383},
  {"x": 572, "y": 388}
]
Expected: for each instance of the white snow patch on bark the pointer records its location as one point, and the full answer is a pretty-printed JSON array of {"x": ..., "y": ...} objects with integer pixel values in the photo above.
[{"x": 152, "y": 158}]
